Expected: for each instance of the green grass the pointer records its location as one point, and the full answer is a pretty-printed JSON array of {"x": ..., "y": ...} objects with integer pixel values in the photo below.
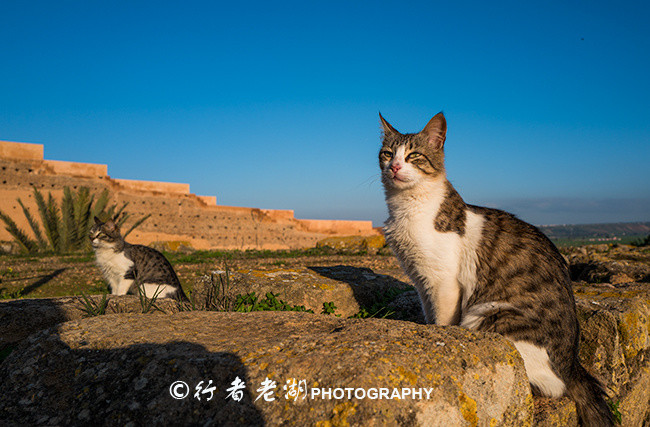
[
  {"x": 379, "y": 307},
  {"x": 616, "y": 413},
  {"x": 29, "y": 257},
  {"x": 71, "y": 257},
  {"x": 328, "y": 308},
  {"x": 82, "y": 257},
  {"x": 199, "y": 257},
  {"x": 15, "y": 294},
  {"x": 147, "y": 304},
  {"x": 7, "y": 273},
  {"x": 622, "y": 240},
  {"x": 249, "y": 302},
  {"x": 92, "y": 308}
]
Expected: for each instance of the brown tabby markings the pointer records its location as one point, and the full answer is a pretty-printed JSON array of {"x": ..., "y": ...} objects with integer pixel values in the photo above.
[
  {"x": 451, "y": 215},
  {"x": 515, "y": 281},
  {"x": 123, "y": 263}
]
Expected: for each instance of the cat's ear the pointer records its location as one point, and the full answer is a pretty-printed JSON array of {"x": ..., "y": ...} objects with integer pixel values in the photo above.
[
  {"x": 435, "y": 132},
  {"x": 386, "y": 127},
  {"x": 98, "y": 221}
]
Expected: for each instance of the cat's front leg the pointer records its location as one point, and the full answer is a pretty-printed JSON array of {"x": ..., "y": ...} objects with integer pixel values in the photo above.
[
  {"x": 122, "y": 287},
  {"x": 428, "y": 307},
  {"x": 441, "y": 301},
  {"x": 448, "y": 303}
]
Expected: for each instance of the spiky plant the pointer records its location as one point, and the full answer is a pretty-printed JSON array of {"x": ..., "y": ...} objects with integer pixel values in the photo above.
[
  {"x": 65, "y": 228},
  {"x": 26, "y": 244}
]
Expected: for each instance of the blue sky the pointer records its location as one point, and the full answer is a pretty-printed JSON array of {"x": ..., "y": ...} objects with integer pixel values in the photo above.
[{"x": 274, "y": 104}]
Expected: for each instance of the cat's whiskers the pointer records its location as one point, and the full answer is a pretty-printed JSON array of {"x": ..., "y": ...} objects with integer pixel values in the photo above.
[{"x": 483, "y": 268}]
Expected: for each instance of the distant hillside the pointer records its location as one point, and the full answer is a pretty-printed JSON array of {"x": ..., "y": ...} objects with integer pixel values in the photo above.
[{"x": 621, "y": 231}]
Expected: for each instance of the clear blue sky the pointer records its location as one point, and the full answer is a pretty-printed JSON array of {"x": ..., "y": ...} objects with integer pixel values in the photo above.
[{"x": 274, "y": 104}]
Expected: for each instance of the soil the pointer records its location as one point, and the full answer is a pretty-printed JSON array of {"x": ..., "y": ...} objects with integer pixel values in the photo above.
[{"x": 54, "y": 276}]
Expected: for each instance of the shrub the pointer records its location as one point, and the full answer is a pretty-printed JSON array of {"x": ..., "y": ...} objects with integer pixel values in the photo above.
[{"x": 65, "y": 228}]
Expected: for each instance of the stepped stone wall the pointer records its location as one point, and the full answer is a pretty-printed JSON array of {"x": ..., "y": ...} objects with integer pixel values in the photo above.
[{"x": 177, "y": 214}]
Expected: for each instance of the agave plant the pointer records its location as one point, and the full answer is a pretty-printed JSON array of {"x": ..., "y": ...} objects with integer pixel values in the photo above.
[{"x": 65, "y": 228}]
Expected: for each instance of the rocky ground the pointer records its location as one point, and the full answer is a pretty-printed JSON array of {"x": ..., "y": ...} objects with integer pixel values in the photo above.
[
  {"x": 61, "y": 375},
  {"x": 54, "y": 276}
]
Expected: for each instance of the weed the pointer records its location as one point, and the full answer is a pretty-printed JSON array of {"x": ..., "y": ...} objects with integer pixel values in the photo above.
[
  {"x": 217, "y": 292},
  {"x": 328, "y": 308},
  {"x": 365, "y": 314},
  {"x": 247, "y": 303},
  {"x": 15, "y": 294},
  {"x": 92, "y": 308},
  {"x": 613, "y": 406},
  {"x": 7, "y": 273},
  {"x": 199, "y": 257},
  {"x": 380, "y": 305},
  {"x": 145, "y": 302},
  {"x": 79, "y": 258},
  {"x": 99, "y": 287},
  {"x": 64, "y": 228}
]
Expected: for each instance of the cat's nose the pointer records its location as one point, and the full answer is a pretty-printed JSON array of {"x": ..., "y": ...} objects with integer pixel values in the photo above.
[{"x": 395, "y": 167}]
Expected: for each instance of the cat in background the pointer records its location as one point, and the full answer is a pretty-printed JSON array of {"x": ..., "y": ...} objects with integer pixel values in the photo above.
[
  {"x": 483, "y": 268},
  {"x": 122, "y": 264}
]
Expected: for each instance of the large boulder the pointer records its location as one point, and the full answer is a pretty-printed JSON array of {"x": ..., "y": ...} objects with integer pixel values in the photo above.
[
  {"x": 351, "y": 289},
  {"x": 22, "y": 317},
  {"x": 614, "y": 320},
  {"x": 615, "y": 323},
  {"x": 614, "y": 264},
  {"x": 371, "y": 244},
  {"x": 321, "y": 370}
]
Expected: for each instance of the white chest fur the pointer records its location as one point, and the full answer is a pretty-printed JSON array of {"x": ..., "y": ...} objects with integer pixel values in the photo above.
[
  {"x": 441, "y": 265},
  {"x": 113, "y": 265}
]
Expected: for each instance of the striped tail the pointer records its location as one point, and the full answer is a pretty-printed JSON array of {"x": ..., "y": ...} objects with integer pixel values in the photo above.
[{"x": 589, "y": 397}]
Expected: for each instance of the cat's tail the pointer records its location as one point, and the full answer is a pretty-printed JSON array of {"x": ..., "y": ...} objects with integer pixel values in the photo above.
[
  {"x": 590, "y": 398},
  {"x": 474, "y": 316}
]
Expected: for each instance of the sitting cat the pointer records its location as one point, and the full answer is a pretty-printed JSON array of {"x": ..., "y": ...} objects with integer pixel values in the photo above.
[
  {"x": 122, "y": 263},
  {"x": 483, "y": 268}
]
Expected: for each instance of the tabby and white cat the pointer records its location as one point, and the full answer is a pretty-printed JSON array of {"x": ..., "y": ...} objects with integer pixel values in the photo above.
[
  {"x": 122, "y": 263},
  {"x": 483, "y": 268}
]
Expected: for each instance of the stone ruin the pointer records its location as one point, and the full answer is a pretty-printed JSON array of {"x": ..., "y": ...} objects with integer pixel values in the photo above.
[{"x": 178, "y": 216}]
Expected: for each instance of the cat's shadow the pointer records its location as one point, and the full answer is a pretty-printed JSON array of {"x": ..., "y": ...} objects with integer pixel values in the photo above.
[
  {"x": 376, "y": 291},
  {"x": 136, "y": 383},
  {"x": 41, "y": 280}
]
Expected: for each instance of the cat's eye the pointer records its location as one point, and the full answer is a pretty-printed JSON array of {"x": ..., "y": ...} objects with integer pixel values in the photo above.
[
  {"x": 386, "y": 154},
  {"x": 414, "y": 156}
]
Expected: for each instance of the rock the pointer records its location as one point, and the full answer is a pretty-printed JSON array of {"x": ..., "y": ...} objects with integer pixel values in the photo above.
[
  {"x": 614, "y": 319},
  {"x": 120, "y": 369},
  {"x": 609, "y": 272},
  {"x": 9, "y": 247},
  {"x": 22, "y": 317},
  {"x": 349, "y": 288},
  {"x": 408, "y": 307},
  {"x": 354, "y": 243},
  {"x": 620, "y": 264},
  {"x": 615, "y": 346},
  {"x": 180, "y": 246},
  {"x": 555, "y": 412}
]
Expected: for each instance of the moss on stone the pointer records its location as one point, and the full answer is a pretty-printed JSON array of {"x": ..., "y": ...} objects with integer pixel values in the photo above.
[{"x": 467, "y": 407}]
